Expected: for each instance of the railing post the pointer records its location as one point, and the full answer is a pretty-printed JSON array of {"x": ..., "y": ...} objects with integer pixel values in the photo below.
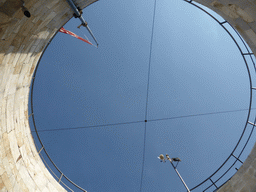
[
  {"x": 30, "y": 115},
  {"x": 251, "y": 123},
  {"x": 237, "y": 158},
  {"x": 60, "y": 177},
  {"x": 213, "y": 183},
  {"x": 40, "y": 150}
]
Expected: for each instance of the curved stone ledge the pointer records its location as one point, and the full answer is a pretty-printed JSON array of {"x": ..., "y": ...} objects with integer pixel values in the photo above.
[
  {"x": 21, "y": 45},
  {"x": 242, "y": 16},
  {"x": 245, "y": 178}
]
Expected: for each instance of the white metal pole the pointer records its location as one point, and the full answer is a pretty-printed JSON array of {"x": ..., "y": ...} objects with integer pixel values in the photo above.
[
  {"x": 180, "y": 177},
  {"x": 168, "y": 158}
]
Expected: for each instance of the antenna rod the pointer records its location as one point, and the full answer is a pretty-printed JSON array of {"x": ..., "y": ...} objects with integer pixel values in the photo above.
[
  {"x": 180, "y": 177},
  {"x": 162, "y": 159},
  {"x": 79, "y": 15},
  {"x": 168, "y": 158}
]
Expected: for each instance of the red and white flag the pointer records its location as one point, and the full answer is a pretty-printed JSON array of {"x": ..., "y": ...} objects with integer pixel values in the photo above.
[{"x": 62, "y": 30}]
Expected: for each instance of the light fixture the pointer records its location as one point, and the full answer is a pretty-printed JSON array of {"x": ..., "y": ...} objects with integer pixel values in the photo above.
[{"x": 25, "y": 10}]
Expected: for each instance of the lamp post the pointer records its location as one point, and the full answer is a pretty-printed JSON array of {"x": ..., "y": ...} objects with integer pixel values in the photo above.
[{"x": 161, "y": 157}]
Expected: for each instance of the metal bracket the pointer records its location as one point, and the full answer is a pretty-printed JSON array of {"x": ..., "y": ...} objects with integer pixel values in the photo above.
[{"x": 79, "y": 15}]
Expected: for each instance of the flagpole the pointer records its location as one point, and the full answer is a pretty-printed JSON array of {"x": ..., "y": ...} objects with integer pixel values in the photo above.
[{"x": 84, "y": 23}]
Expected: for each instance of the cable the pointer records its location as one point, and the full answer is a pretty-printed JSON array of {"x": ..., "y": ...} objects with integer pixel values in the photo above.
[
  {"x": 143, "y": 156},
  {"x": 200, "y": 114},
  {"x": 149, "y": 61},
  {"x": 133, "y": 122},
  {"x": 87, "y": 127},
  {"x": 146, "y": 108}
]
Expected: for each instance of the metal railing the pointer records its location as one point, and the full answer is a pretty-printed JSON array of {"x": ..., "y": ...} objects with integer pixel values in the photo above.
[
  {"x": 42, "y": 148},
  {"x": 210, "y": 182},
  {"x": 231, "y": 158}
]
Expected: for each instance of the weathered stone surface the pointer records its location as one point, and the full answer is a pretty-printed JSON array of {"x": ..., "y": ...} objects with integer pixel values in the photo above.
[
  {"x": 21, "y": 44},
  {"x": 22, "y": 41},
  {"x": 245, "y": 178}
]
